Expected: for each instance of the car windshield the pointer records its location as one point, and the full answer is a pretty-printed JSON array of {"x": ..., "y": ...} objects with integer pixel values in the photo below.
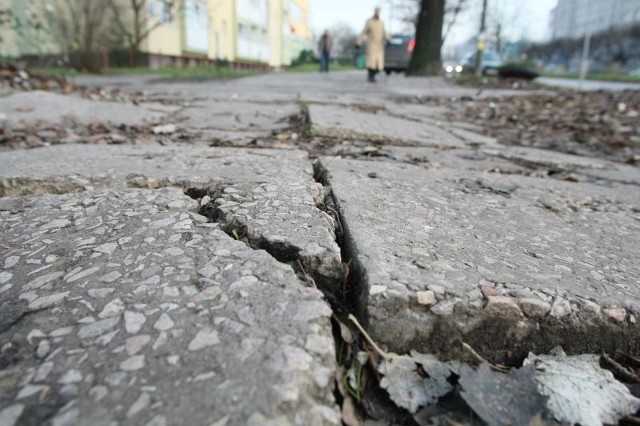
[
  {"x": 491, "y": 56},
  {"x": 398, "y": 40}
]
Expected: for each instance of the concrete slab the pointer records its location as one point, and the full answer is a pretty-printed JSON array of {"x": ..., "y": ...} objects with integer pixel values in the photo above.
[
  {"x": 591, "y": 168},
  {"x": 505, "y": 263},
  {"x": 269, "y": 195},
  {"x": 236, "y": 115},
  {"x": 65, "y": 168},
  {"x": 456, "y": 159},
  {"x": 349, "y": 123},
  {"x": 126, "y": 306},
  {"x": 284, "y": 220},
  {"x": 38, "y": 106}
]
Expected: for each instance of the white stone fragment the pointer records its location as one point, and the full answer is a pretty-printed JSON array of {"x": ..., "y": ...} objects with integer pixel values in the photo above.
[
  {"x": 82, "y": 274},
  {"x": 133, "y": 321},
  {"x": 321, "y": 345},
  {"x": 296, "y": 358},
  {"x": 35, "y": 334},
  {"x": 135, "y": 343},
  {"x": 99, "y": 293},
  {"x": 140, "y": 404},
  {"x": 58, "y": 223},
  {"x": 173, "y": 359},
  {"x": 164, "y": 323},
  {"x": 426, "y": 298},
  {"x": 30, "y": 390},
  {"x": 107, "y": 248},
  {"x": 47, "y": 301},
  {"x": 62, "y": 331},
  {"x": 173, "y": 251},
  {"x": 98, "y": 393},
  {"x": 105, "y": 339},
  {"x": 11, "y": 261},
  {"x": 560, "y": 308},
  {"x": 111, "y": 309},
  {"x": 133, "y": 363},
  {"x": 44, "y": 347},
  {"x": 97, "y": 328},
  {"x": 10, "y": 415},
  {"x": 157, "y": 421},
  {"x": 203, "y": 339},
  {"x": 5, "y": 276},
  {"x": 43, "y": 372},
  {"x": 42, "y": 280},
  {"x": 66, "y": 418},
  {"x": 616, "y": 314},
  {"x": 71, "y": 376},
  {"x": 110, "y": 277},
  {"x": 204, "y": 376},
  {"x": 377, "y": 289}
]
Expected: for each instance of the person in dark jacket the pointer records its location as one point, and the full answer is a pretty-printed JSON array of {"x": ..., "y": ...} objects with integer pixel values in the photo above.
[{"x": 324, "y": 50}]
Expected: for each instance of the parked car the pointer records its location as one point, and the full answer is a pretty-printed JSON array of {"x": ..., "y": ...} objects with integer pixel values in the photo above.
[
  {"x": 451, "y": 69},
  {"x": 490, "y": 63},
  {"x": 398, "y": 53}
]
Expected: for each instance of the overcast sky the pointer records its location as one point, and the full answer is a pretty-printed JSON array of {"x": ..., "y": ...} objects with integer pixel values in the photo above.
[{"x": 521, "y": 17}]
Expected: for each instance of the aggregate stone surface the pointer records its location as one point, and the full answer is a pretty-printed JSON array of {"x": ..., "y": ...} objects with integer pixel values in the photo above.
[
  {"x": 346, "y": 122},
  {"x": 63, "y": 168},
  {"x": 454, "y": 254},
  {"x": 39, "y": 106},
  {"x": 593, "y": 168},
  {"x": 124, "y": 306},
  {"x": 285, "y": 220},
  {"x": 238, "y": 122}
]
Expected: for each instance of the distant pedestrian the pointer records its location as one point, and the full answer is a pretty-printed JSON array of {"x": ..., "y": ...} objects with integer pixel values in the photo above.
[
  {"x": 376, "y": 37},
  {"x": 325, "y": 44}
]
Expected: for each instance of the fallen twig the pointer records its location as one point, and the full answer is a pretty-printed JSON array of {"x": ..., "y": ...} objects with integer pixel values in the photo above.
[
  {"x": 619, "y": 369},
  {"x": 478, "y": 358}
]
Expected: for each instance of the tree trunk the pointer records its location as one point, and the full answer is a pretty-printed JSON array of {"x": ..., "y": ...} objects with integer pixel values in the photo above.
[{"x": 425, "y": 59}]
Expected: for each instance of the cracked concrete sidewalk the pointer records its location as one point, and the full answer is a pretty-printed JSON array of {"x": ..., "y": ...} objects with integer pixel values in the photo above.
[{"x": 149, "y": 284}]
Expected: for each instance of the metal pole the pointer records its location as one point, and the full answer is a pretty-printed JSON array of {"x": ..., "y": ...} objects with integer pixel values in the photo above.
[
  {"x": 586, "y": 48},
  {"x": 480, "y": 45}
]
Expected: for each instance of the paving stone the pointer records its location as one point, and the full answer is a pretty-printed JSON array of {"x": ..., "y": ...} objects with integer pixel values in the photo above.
[
  {"x": 345, "y": 122},
  {"x": 591, "y": 169},
  {"x": 31, "y": 107},
  {"x": 72, "y": 168},
  {"x": 413, "y": 228},
  {"x": 126, "y": 351},
  {"x": 238, "y": 122}
]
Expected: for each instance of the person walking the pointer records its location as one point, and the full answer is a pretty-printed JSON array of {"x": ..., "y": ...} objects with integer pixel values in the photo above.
[
  {"x": 376, "y": 37},
  {"x": 324, "y": 50}
]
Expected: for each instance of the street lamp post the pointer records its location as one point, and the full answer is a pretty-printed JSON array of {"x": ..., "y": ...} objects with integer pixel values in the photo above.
[
  {"x": 481, "y": 39},
  {"x": 586, "y": 48}
]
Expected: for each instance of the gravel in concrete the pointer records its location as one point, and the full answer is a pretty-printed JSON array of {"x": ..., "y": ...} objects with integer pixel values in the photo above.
[
  {"x": 505, "y": 256},
  {"x": 38, "y": 106},
  {"x": 136, "y": 310}
]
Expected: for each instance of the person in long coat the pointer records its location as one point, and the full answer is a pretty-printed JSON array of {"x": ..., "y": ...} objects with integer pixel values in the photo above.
[{"x": 376, "y": 37}]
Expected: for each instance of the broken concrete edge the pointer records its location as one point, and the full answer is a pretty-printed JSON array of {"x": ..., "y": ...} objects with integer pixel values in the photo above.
[
  {"x": 372, "y": 139},
  {"x": 321, "y": 395},
  {"x": 592, "y": 174},
  {"x": 57, "y": 185},
  {"x": 501, "y": 327},
  {"x": 316, "y": 261}
]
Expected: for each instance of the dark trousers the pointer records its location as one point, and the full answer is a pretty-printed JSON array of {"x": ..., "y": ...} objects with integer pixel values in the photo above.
[
  {"x": 371, "y": 75},
  {"x": 324, "y": 62}
]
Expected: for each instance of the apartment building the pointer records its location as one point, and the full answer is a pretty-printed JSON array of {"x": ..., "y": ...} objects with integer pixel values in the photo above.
[
  {"x": 574, "y": 18},
  {"x": 264, "y": 33}
]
